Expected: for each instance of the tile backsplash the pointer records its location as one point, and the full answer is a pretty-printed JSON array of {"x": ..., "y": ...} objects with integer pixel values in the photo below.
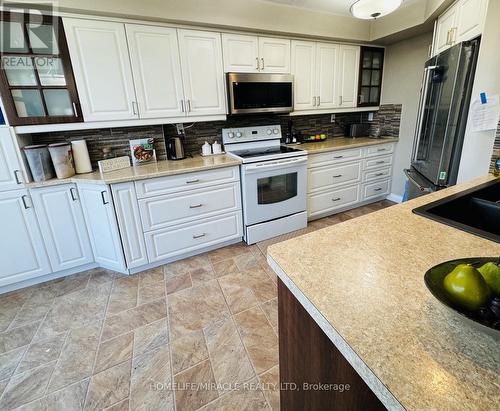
[
  {"x": 496, "y": 148},
  {"x": 387, "y": 119}
]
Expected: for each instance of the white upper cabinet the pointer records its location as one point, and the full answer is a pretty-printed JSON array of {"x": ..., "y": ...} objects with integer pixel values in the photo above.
[
  {"x": 241, "y": 53},
  {"x": 11, "y": 175},
  {"x": 100, "y": 59},
  {"x": 348, "y": 75},
  {"x": 202, "y": 72},
  {"x": 463, "y": 21},
  {"x": 22, "y": 252},
  {"x": 252, "y": 54},
  {"x": 327, "y": 65},
  {"x": 156, "y": 66},
  {"x": 63, "y": 227},
  {"x": 304, "y": 75},
  {"x": 274, "y": 55}
]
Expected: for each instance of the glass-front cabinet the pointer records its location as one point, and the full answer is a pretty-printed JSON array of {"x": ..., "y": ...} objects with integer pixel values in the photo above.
[
  {"x": 370, "y": 76},
  {"x": 36, "y": 78}
]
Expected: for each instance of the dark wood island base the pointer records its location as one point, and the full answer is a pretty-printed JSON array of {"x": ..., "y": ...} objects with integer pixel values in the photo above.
[{"x": 314, "y": 375}]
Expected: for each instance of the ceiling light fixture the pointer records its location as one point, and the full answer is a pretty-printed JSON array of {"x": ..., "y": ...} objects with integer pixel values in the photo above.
[{"x": 372, "y": 9}]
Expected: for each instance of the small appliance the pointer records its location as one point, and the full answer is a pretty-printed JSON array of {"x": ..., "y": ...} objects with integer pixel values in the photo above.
[
  {"x": 358, "y": 130},
  {"x": 175, "y": 149}
]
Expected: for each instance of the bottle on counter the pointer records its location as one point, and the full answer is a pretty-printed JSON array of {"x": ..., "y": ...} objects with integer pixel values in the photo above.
[
  {"x": 206, "y": 149},
  {"x": 216, "y": 148}
]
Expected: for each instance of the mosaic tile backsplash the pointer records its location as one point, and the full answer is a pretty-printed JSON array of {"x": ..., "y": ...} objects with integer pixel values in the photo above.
[{"x": 387, "y": 119}]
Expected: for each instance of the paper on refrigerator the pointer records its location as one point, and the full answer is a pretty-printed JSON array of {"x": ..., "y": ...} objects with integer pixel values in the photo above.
[{"x": 485, "y": 116}]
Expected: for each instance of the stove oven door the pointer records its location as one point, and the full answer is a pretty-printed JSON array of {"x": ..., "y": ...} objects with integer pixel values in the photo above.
[{"x": 274, "y": 189}]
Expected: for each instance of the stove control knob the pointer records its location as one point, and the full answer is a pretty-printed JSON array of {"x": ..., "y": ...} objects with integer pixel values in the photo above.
[
  {"x": 238, "y": 134},
  {"x": 230, "y": 134},
  {"x": 269, "y": 131},
  {"x": 276, "y": 131}
]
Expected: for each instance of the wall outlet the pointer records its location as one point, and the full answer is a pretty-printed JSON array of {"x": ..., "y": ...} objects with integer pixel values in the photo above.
[
  {"x": 180, "y": 128},
  {"x": 370, "y": 116},
  {"x": 332, "y": 118}
]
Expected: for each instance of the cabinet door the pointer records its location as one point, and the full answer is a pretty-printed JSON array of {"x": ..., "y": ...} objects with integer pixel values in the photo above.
[
  {"x": 274, "y": 55},
  {"x": 202, "y": 72},
  {"x": 129, "y": 223},
  {"x": 101, "y": 64},
  {"x": 327, "y": 62},
  {"x": 102, "y": 227},
  {"x": 60, "y": 216},
  {"x": 241, "y": 53},
  {"x": 444, "y": 28},
  {"x": 470, "y": 19},
  {"x": 304, "y": 74},
  {"x": 22, "y": 252},
  {"x": 156, "y": 66},
  {"x": 11, "y": 177},
  {"x": 348, "y": 75}
]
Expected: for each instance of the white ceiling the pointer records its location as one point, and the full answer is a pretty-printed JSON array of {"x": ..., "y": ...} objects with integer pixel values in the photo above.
[{"x": 340, "y": 7}]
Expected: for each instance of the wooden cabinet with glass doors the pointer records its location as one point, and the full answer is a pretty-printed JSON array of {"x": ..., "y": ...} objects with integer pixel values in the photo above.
[{"x": 370, "y": 76}]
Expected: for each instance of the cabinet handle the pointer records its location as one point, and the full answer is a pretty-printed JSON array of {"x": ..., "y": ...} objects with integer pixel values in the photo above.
[
  {"x": 377, "y": 189},
  {"x": 199, "y": 236},
  {"x": 360, "y": 98},
  {"x": 26, "y": 206},
  {"x": 262, "y": 59},
  {"x": 104, "y": 198},
  {"x": 454, "y": 35},
  {"x": 258, "y": 67},
  {"x": 16, "y": 176},
  {"x": 314, "y": 101},
  {"x": 73, "y": 196},
  {"x": 337, "y": 176},
  {"x": 379, "y": 174},
  {"x": 134, "y": 109},
  {"x": 336, "y": 199},
  {"x": 319, "y": 101},
  {"x": 192, "y": 181},
  {"x": 189, "y": 106},
  {"x": 182, "y": 106},
  {"x": 195, "y": 206},
  {"x": 75, "y": 110},
  {"x": 380, "y": 162},
  {"x": 336, "y": 157},
  {"x": 340, "y": 98}
]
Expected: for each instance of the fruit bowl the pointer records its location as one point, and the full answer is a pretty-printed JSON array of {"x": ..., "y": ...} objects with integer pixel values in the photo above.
[{"x": 434, "y": 281}]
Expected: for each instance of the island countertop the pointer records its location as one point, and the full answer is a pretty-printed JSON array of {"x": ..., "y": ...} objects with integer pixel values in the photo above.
[{"x": 362, "y": 282}]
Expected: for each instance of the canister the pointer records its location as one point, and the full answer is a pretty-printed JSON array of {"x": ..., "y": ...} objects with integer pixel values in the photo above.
[
  {"x": 62, "y": 158},
  {"x": 39, "y": 161}
]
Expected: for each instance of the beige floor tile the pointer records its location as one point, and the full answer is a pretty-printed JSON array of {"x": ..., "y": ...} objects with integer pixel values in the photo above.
[
  {"x": 77, "y": 357},
  {"x": 121, "y": 406},
  {"x": 188, "y": 351},
  {"x": 150, "y": 382},
  {"x": 3, "y": 385},
  {"x": 15, "y": 299},
  {"x": 42, "y": 352},
  {"x": 10, "y": 360},
  {"x": 201, "y": 275},
  {"x": 68, "y": 285},
  {"x": 238, "y": 292},
  {"x": 246, "y": 398},
  {"x": 36, "y": 307},
  {"x": 230, "y": 363},
  {"x": 194, "y": 308},
  {"x": 71, "y": 398},
  {"x": 151, "y": 285},
  {"x": 263, "y": 287},
  {"x": 179, "y": 282},
  {"x": 114, "y": 351},
  {"x": 6, "y": 317},
  {"x": 26, "y": 387},
  {"x": 186, "y": 266},
  {"x": 249, "y": 260},
  {"x": 124, "y": 295},
  {"x": 17, "y": 337},
  {"x": 150, "y": 336},
  {"x": 101, "y": 276},
  {"x": 259, "y": 338},
  {"x": 270, "y": 381},
  {"x": 225, "y": 267},
  {"x": 195, "y": 387},
  {"x": 109, "y": 387},
  {"x": 129, "y": 320},
  {"x": 270, "y": 308},
  {"x": 227, "y": 252}
]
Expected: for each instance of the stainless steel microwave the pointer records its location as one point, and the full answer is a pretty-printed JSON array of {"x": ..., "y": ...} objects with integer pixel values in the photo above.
[{"x": 259, "y": 93}]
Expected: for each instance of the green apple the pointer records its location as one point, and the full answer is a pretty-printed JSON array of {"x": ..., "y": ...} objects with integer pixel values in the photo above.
[
  {"x": 467, "y": 287},
  {"x": 491, "y": 274}
]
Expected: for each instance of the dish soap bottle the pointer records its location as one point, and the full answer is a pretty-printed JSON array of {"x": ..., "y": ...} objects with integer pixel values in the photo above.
[
  {"x": 206, "y": 149},
  {"x": 496, "y": 167}
]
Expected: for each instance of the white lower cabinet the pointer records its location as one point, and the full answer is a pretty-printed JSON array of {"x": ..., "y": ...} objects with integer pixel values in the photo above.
[
  {"x": 61, "y": 220},
  {"x": 331, "y": 200},
  {"x": 102, "y": 226},
  {"x": 22, "y": 251}
]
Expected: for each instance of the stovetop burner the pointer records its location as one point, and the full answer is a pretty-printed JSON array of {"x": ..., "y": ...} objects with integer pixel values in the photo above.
[{"x": 266, "y": 151}]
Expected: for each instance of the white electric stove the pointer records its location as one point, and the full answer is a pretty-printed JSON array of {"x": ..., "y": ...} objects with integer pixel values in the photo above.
[{"x": 273, "y": 181}]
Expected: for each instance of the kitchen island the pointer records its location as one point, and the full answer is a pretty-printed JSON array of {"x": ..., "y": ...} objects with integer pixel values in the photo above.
[{"x": 354, "y": 309}]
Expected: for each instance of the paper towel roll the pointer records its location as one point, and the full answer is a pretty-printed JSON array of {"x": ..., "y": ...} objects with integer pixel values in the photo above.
[{"x": 81, "y": 156}]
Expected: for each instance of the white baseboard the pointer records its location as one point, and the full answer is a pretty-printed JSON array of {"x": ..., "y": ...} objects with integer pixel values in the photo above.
[{"x": 395, "y": 198}]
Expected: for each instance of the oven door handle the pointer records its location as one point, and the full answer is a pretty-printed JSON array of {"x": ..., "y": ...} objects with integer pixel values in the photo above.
[{"x": 276, "y": 164}]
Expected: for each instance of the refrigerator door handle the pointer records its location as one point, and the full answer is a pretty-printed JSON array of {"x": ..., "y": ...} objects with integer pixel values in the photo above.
[{"x": 420, "y": 187}]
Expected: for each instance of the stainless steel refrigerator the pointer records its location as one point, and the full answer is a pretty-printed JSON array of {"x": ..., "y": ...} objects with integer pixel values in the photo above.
[{"x": 442, "y": 118}]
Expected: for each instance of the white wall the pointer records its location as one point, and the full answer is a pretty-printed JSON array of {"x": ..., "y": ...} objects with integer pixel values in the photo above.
[
  {"x": 403, "y": 70},
  {"x": 478, "y": 146}
]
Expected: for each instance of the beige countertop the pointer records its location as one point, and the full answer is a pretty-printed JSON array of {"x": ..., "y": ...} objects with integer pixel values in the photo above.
[
  {"x": 341, "y": 143},
  {"x": 363, "y": 282},
  {"x": 158, "y": 169}
]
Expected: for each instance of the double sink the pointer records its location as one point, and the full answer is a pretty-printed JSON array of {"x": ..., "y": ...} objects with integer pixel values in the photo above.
[{"x": 476, "y": 211}]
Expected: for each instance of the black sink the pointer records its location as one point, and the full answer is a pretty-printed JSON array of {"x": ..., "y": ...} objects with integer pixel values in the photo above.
[{"x": 476, "y": 211}]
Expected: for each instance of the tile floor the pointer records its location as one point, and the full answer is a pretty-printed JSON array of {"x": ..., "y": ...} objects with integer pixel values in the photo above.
[{"x": 198, "y": 333}]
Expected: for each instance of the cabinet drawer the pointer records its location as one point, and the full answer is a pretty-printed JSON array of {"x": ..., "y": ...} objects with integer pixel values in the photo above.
[
  {"x": 376, "y": 174},
  {"x": 379, "y": 149},
  {"x": 332, "y": 200},
  {"x": 334, "y": 157},
  {"x": 159, "y": 212},
  {"x": 170, "y": 242},
  {"x": 377, "y": 189},
  {"x": 182, "y": 182},
  {"x": 378, "y": 162},
  {"x": 326, "y": 177}
]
